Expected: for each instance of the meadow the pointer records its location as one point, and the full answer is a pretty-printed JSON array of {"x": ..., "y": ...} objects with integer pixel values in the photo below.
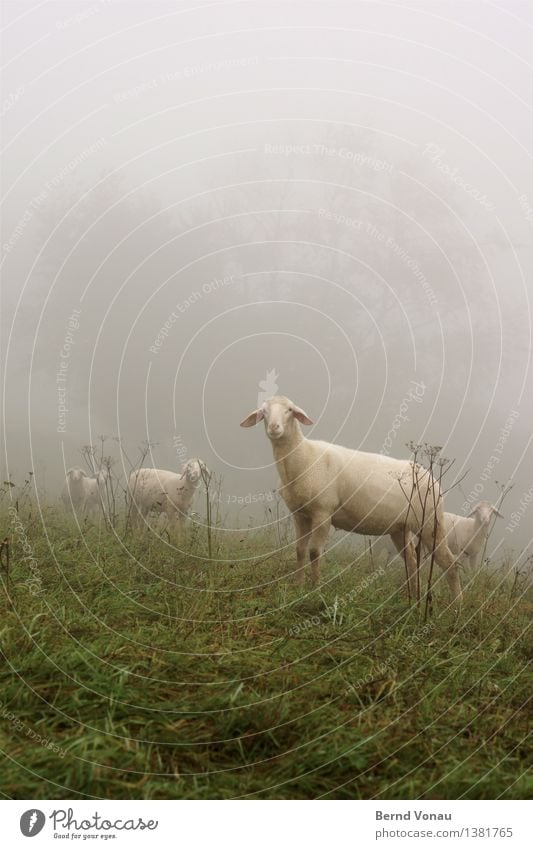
[{"x": 132, "y": 669}]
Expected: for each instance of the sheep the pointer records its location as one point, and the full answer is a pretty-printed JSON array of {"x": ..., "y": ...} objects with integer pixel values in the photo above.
[
  {"x": 325, "y": 484},
  {"x": 166, "y": 492},
  {"x": 82, "y": 492},
  {"x": 466, "y": 535}
]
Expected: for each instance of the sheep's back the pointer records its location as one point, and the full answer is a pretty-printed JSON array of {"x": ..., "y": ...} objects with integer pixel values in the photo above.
[
  {"x": 367, "y": 492},
  {"x": 152, "y": 482}
]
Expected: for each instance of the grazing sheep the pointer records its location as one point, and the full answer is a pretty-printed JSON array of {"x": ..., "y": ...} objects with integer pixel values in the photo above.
[
  {"x": 466, "y": 535},
  {"x": 325, "y": 484},
  {"x": 165, "y": 492},
  {"x": 83, "y": 493}
]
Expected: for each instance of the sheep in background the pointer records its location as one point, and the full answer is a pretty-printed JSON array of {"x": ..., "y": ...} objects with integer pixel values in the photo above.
[
  {"x": 73, "y": 492},
  {"x": 82, "y": 492},
  {"x": 165, "y": 492},
  {"x": 466, "y": 535},
  {"x": 325, "y": 484}
]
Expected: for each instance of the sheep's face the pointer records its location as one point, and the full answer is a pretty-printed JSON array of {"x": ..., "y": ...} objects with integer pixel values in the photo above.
[
  {"x": 278, "y": 414},
  {"x": 484, "y": 511},
  {"x": 193, "y": 470}
]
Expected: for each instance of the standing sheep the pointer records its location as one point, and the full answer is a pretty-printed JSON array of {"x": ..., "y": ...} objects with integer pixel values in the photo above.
[
  {"x": 466, "y": 535},
  {"x": 84, "y": 494},
  {"x": 165, "y": 492},
  {"x": 325, "y": 484}
]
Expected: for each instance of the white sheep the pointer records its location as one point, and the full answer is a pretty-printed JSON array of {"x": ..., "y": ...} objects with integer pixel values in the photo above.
[
  {"x": 82, "y": 492},
  {"x": 165, "y": 492},
  {"x": 325, "y": 484},
  {"x": 466, "y": 535}
]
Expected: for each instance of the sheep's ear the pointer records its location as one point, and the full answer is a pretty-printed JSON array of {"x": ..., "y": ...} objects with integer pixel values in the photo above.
[
  {"x": 253, "y": 419},
  {"x": 497, "y": 513},
  {"x": 302, "y": 417}
]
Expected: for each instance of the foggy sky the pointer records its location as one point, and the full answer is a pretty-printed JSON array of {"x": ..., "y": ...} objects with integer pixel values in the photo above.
[{"x": 198, "y": 194}]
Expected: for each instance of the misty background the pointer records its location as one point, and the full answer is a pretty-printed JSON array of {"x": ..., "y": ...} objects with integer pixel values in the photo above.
[{"x": 206, "y": 201}]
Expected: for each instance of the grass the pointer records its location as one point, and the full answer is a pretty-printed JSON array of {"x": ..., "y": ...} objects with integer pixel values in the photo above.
[{"x": 132, "y": 670}]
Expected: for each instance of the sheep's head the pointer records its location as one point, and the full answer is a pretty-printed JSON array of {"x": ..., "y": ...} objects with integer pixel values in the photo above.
[
  {"x": 484, "y": 511},
  {"x": 279, "y": 414},
  {"x": 194, "y": 470}
]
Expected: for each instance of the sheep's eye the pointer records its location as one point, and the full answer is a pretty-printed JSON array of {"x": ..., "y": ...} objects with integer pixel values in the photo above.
[{"x": 289, "y": 410}]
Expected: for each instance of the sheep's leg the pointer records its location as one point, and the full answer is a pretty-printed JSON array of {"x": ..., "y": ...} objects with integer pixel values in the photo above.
[
  {"x": 302, "y": 526},
  {"x": 445, "y": 561},
  {"x": 176, "y": 521},
  {"x": 133, "y": 515},
  {"x": 95, "y": 511},
  {"x": 319, "y": 535},
  {"x": 454, "y": 582},
  {"x": 403, "y": 540},
  {"x": 137, "y": 517}
]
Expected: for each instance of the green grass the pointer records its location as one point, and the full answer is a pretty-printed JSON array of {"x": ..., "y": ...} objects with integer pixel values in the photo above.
[{"x": 159, "y": 675}]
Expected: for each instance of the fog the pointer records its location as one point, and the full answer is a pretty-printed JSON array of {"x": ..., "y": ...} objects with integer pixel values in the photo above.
[{"x": 207, "y": 203}]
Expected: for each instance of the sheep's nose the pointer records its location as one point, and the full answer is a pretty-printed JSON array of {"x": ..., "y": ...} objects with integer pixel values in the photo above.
[{"x": 275, "y": 428}]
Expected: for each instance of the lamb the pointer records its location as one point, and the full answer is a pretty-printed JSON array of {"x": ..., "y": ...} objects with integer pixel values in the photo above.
[
  {"x": 166, "y": 492},
  {"x": 325, "y": 484},
  {"x": 83, "y": 493},
  {"x": 466, "y": 535}
]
